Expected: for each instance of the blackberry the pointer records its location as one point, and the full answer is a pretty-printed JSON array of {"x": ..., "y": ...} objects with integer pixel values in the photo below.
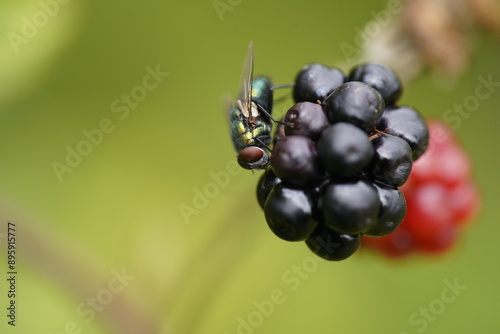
[
  {"x": 339, "y": 155},
  {"x": 379, "y": 77},
  {"x": 289, "y": 213},
  {"x": 267, "y": 182},
  {"x": 344, "y": 149},
  {"x": 357, "y": 103},
  {"x": 294, "y": 160},
  {"x": 392, "y": 161},
  {"x": 315, "y": 82},
  {"x": 333, "y": 246},
  {"x": 305, "y": 119},
  {"x": 350, "y": 207},
  {"x": 406, "y": 123},
  {"x": 392, "y": 210}
]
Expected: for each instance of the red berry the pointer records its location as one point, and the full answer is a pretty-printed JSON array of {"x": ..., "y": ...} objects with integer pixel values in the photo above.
[
  {"x": 428, "y": 210},
  {"x": 443, "y": 163},
  {"x": 422, "y": 169},
  {"x": 451, "y": 165},
  {"x": 397, "y": 244},
  {"x": 465, "y": 202},
  {"x": 440, "y": 196},
  {"x": 440, "y": 240}
]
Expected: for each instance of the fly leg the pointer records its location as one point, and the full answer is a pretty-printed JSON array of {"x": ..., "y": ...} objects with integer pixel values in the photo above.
[{"x": 260, "y": 141}]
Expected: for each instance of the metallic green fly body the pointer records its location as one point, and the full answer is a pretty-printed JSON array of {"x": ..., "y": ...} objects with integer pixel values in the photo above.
[{"x": 250, "y": 120}]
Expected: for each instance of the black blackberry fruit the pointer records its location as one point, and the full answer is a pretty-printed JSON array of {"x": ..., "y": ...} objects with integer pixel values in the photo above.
[
  {"x": 381, "y": 78},
  {"x": 289, "y": 213},
  {"x": 338, "y": 157},
  {"x": 315, "y": 82},
  {"x": 357, "y": 103},
  {"x": 392, "y": 210},
  {"x": 266, "y": 183},
  {"x": 406, "y": 123},
  {"x": 305, "y": 119},
  {"x": 350, "y": 207},
  {"x": 331, "y": 245},
  {"x": 392, "y": 161},
  {"x": 344, "y": 149},
  {"x": 295, "y": 161}
]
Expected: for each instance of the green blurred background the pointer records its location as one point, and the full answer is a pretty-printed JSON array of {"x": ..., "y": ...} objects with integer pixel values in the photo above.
[{"x": 119, "y": 209}]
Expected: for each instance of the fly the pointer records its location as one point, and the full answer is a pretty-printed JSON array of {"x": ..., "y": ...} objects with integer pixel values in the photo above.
[{"x": 250, "y": 120}]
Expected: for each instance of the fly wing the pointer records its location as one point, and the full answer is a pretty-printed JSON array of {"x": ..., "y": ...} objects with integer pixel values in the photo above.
[{"x": 246, "y": 82}]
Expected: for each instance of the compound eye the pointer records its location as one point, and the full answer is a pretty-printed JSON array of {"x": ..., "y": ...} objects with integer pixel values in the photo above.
[
  {"x": 251, "y": 154},
  {"x": 254, "y": 158}
]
